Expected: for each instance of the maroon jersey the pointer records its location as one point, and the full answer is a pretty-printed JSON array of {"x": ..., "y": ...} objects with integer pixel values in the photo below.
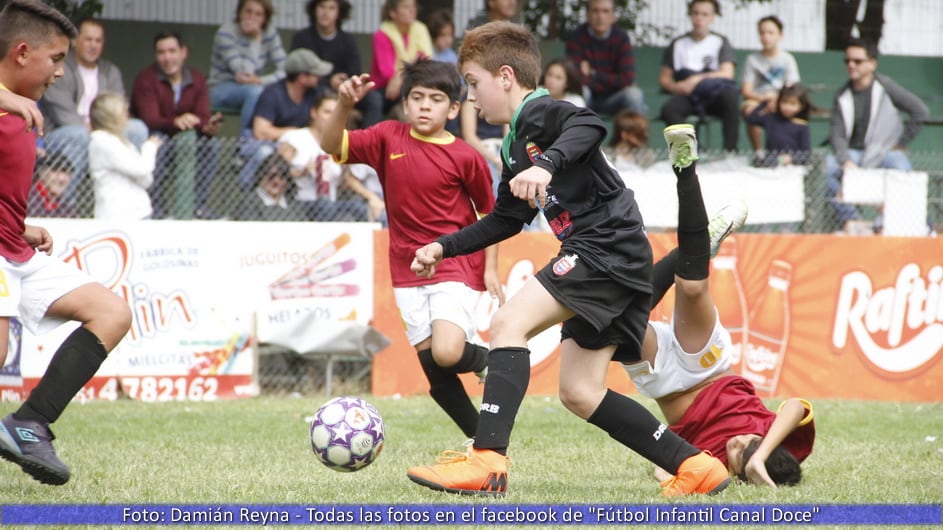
[
  {"x": 432, "y": 187},
  {"x": 17, "y": 158},
  {"x": 730, "y": 407}
]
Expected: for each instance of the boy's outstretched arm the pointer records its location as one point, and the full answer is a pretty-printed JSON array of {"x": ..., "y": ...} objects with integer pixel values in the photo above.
[
  {"x": 348, "y": 94},
  {"x": 793, "y": 413}
]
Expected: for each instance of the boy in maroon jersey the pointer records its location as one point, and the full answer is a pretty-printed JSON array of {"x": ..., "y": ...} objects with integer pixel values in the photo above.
[
  {"x": 433, "y": 184},
  {"x": 42, "y": 291},
  {"x": 685, "y": 365}
]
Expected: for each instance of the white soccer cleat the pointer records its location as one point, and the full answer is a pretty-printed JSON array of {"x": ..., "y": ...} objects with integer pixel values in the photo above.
[
  {"x": 682, "y": 144},
  {"x": 728, "y": 220}
]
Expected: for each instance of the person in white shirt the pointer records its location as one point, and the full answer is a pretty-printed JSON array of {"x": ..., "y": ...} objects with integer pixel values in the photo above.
[{"x": 120, "y": 173}]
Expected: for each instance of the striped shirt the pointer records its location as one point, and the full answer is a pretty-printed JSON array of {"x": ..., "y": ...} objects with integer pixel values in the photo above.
[
  {"x": 234, "y": 52},
  {"x": 611, "y": 58}
]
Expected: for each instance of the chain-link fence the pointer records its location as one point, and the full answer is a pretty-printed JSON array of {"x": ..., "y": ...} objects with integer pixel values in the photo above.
[{"x": 227, "y": 179}]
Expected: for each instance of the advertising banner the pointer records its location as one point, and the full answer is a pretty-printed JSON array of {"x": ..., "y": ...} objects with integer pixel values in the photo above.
[
  {"x": 814, "y": 316},
  {"x": 197, "y": 291}
]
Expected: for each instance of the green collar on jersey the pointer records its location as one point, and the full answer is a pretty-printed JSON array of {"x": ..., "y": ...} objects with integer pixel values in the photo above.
[{"x": 512, "y": 133}]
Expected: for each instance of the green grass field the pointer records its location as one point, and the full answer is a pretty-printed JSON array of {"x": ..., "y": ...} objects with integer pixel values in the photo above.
[{"x": 257, "y": 451}]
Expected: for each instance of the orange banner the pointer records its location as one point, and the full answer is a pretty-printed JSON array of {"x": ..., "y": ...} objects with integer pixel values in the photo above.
[{"x": 816, "y": 316}]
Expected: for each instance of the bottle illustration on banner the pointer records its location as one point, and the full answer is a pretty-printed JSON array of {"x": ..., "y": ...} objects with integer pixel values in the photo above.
[
  {"x": 730, "y": 300},
  {"x": 768, "y": 335}
]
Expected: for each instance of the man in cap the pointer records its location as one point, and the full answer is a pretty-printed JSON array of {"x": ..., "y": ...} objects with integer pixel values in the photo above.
[{"x": 283, "y": 106}]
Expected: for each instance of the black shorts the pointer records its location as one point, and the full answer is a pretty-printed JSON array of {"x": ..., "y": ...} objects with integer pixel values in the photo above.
[{"x": 607, "y": 312}]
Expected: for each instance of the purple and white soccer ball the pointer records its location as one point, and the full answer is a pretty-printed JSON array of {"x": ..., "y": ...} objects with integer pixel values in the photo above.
[{"x": 347, "y": 433}]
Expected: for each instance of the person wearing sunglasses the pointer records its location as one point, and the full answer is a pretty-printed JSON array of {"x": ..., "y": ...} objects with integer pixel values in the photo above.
[{"x": 867, "y": 129}]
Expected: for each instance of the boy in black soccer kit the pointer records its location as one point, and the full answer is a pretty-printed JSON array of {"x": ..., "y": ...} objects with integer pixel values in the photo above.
[{"x": 599, "y": 285}]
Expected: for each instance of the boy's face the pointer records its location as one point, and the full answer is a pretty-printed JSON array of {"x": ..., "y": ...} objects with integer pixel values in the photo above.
[
  {"x": 427, "y": 110},
  {"x": 327, "y": 13},
  {"x": 488, "y": 93},
  {"x": 40, "y": 65},
  {"x": 702, "y": 17}
]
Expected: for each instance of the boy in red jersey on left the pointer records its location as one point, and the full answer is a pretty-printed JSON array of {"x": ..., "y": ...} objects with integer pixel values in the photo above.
[
  {"x": 42, "y": 291},
  {"x": 433, "y": 184}
]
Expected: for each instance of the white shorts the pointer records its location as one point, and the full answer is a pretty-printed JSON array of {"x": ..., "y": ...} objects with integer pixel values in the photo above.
[
  {"x": 677, "y": 370},
  {"x": 450, "y": 301},
  {"x": 27, "y": 289}
]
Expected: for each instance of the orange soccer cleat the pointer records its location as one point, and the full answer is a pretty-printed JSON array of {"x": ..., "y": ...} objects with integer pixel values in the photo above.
[
  {"x": 475, "y": 472},
  {"x": 701, "y": 473}
]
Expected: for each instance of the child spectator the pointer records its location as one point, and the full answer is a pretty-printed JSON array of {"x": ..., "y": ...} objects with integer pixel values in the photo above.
[
  {"x": 628, "y": 144},
  {"x": 47, "y": 196},
  {"x": 562, "y": 80},
  {"x": 765, "y": 73},
  {"x": 787, "y": 129},
  {"x": 120, "y": 174},
  {"x": 271, "y": 198},
  {"x": 442, "y": 30},
  {"x": 316, "y": 175},
  {"x": 400, "y": 40},
  {"x": 433, "y": 184}
]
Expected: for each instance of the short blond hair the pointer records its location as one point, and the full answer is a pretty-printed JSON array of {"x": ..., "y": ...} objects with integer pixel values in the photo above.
[{"x": 502, "y": 43}]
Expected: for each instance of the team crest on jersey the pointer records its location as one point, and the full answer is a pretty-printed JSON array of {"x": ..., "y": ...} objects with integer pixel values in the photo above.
[
  {"x": 533, "y": 151},
  {"x": 565, "y": 264}
]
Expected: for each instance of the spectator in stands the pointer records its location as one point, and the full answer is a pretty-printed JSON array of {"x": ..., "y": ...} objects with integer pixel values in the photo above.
[
  {"x": 562, "y": 80},
  {"x": 271, "y": 197},
  {"x": 442, "y": 30},
  {"x": 765, "y": 73},
  {"x": 316, "y": 174},
  {"x": 247, "y": 55},
  {"x": 495, "y": 10},
  {"x": 173, "y": 100},
  {"x": 66, "y": 103},
  {"x": 282, "y": 106},
  {"x": 698, "y": 71},
  {"x": 604, "y": 56},
  {"x": 787, "y": 128},
  {"x": 52, "y": 178},
  {"x": 866, "y": 129},
  {"x": 329, "y": 42},
  {"x": 401, "y": 40},
  {"x": 120, "y": 173},
  {"x": 481, "y": 135},
  {"x": 628, "y": 144}
]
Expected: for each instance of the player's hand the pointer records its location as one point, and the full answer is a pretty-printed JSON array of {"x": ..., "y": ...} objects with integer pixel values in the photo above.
[
  {"x": 755, "y": 470},
  {"x": 354, "y": 89},
  {"x": 426, "y": 259},
  {"x": 24, "y": 107},
  {"x": 494, "y": 286},
  {"x": 531, "y": 185},
  {"x": 38, "y": 238}
]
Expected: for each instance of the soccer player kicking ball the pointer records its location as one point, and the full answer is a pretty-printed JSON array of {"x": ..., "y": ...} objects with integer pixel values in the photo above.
[
  {"x": 685, "y": 365},
  {"x": 433, "y": 184},
  {"x": 599, "y": 285},
  {"x": 43, "y": 291}
]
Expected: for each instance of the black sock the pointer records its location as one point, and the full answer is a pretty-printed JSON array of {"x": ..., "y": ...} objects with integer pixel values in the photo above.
[
  {"x": 474, "y": 359},
  {"x": 73, "y": 365},
  {"x": 632, "y": 425},
  {"x": 447, "y": 391},
  {"x": 693, "y": 238},
  {"x": 663, "y": 275},
  {"x": 508, "y": 377}
]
